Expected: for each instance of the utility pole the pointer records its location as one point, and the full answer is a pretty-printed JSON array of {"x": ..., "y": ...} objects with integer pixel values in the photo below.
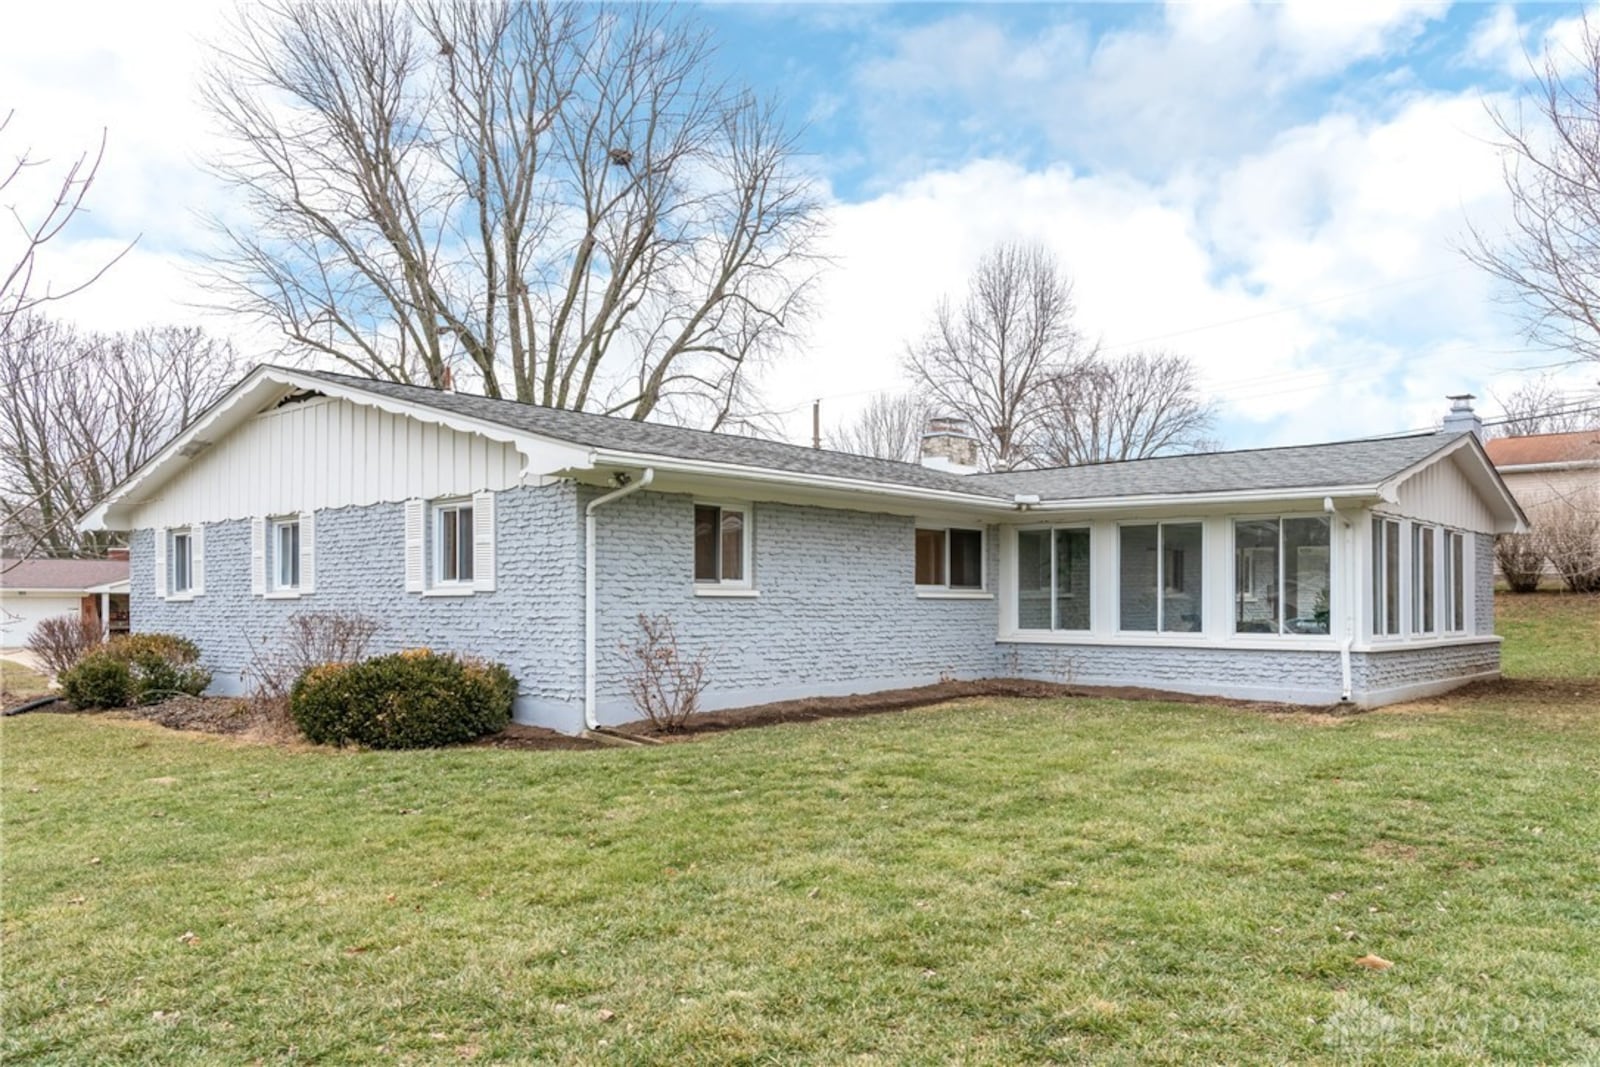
[{"x": 816, "y": 423}]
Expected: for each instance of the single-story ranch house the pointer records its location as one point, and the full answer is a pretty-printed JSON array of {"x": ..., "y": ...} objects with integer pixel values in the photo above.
[{"x": 1357, "y": 571}]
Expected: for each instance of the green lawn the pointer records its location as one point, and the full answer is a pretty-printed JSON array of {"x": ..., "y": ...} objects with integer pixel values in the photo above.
[
  {"x": 996, "y": 882},
  {"x": 1549, "y": 635}
]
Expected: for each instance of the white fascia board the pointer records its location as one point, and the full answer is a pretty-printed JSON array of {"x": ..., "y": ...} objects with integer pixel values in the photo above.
[
  {"x": 767, "y": 475},
  {"x": 1539, "y": 468},
  {"x": 266, "y": 385},
  {"x": 1480, "y": 471},
  {"x": 1294, "y": 495}
]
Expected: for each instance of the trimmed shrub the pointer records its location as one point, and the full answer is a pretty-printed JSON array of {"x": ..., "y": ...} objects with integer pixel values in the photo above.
[
  {"x": 97, "y": 681},
  {"x": 154, "y": 666},
  {"x": 1521, "y": 561},
  {"x": 413, "y": 699}
]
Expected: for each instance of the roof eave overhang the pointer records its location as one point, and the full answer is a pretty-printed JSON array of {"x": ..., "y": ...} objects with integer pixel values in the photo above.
[
  {"x": 766, "y": 476},
  {"x": 1316, "y": 495}
]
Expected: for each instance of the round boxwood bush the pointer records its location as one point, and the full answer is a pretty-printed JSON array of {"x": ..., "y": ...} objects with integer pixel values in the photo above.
[
  {"x": 413, "y": 699},
  {"x": 97, "y": 681},
  {"x": 135, "y": 669}
]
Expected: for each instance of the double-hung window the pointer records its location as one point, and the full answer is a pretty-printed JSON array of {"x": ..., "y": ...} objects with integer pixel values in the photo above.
[
  {"x": 452, "y": 543},
  {"x": 1281, "y": 571},
  {"x": 1160, "y": 585},
  {"x": 721, "y": 546},
  {"x": 182, "y": 562},
  {"x": 949, "y": 558},
  {"x": 1053, "y": 579},
  {"x": 286, "y": 555},
  {"x": 1385, "y": 577},
  {"x": 1423, "y": 542}
]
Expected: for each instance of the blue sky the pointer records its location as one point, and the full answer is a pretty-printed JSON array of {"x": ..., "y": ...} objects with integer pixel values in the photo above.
[{"x": 1275, "y": 190}]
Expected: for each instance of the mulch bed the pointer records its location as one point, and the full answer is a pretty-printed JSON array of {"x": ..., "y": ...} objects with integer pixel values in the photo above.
[
  {"x": 536, "y": 737},
  {"x": 813, "y": 709}
]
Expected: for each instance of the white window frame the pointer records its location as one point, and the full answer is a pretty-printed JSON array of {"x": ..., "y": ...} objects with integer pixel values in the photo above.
[
  {"x": 1233, "y": 584},
  {"x": 730, "y": 587},
  {"x": 1421, "y": 578},
  {"x": 1447, "y": 591},
  {"x": 439, "y": 510},
  {"x": 1378, "y": 580},
  {"x": 944, "y": 590},
  {"x": 1055, "y": 581},
  {"x": 186, "y": 535},
  {"x": 276, "y": 528},
  {"x": 1161, "y": 631}
]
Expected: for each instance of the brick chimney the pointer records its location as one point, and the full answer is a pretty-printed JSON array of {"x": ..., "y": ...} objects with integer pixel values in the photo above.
[
  {"x": 1461, "y": 418},
  {"x": 948, "y": 445}
]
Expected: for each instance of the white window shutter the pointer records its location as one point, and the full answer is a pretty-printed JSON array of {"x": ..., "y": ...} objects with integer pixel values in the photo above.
[
  {"x": 415, "y": 514},
  {"x": 197, "y": 559},
  {"x": 308, "y": 552},
  {"x": 160, "y": 553},
  {"x": 258, "y": 557},
  {"x": 483, "y": 542}
]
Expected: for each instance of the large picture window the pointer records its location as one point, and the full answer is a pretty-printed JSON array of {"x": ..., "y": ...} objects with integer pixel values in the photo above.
[
  {"x": 721, "y": 545},
  {"x": 1053, "y": 579},
  {"x": 1160, "y": 584},
  {"x": 1281, "y": 575},
  {"x": 949, "y": 559},
  {"x": 1385, "y": 577}
]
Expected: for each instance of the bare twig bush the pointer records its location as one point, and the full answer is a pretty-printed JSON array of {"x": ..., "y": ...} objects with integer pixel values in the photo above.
[
  {"x": 309, "y": 639},
  {"x": 1567, "y": 533},
  {"x": 665, "y": 684},
  {"x": 60, "y": 641},
  {"x": 1521, "y": 562}
]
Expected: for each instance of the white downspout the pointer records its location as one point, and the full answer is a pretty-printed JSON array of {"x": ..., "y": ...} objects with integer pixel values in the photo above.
[
  {"x": 590, "y": 720},
  {"x": 1352, "y": 590}
]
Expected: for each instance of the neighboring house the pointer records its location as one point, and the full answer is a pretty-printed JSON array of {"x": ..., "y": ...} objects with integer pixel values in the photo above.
[
  {"x": 32, "y": 590},
  {"x": 1550, "y": 474},
  {"x": 1356, "y": 571}
]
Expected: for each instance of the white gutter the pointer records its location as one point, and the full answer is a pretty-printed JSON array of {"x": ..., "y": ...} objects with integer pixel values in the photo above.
[
  {"x": 590, "y": 719},
  {"x": 1535, "y": 468}
]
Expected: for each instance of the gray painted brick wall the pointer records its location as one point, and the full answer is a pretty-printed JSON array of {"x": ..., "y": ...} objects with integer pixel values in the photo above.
[
  {"x": 837, "y": 611},
  {"x": 1386, "y": 675},
  {"x": 1483, "y": 583},
  {"x": 1297, "y": 676},
  {"x": 533, "y": 621}
]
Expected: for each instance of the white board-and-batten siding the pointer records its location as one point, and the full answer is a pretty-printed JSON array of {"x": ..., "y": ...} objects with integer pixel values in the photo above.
[
  {"x": 1439, "y": 493},
  {"x": 323, "y": 453}
]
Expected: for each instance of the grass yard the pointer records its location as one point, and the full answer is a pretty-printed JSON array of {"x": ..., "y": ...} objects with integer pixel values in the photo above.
[
  {"x": 1549, "y": 635},
  {"x": 987, "y": 882}
]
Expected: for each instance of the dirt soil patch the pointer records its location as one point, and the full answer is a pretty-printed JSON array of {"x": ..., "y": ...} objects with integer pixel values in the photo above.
[
  {"x": 812, "y": 709},
  {"x": 210, "y": 715},
  {"x": 1572, "y": 694},
  {"x": 535, "y": 737}
]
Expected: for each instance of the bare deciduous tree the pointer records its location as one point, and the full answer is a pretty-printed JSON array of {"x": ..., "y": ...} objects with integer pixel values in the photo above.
[
  {"x": 80, "y": 411},
  {"x": 889, "y": 427},
  {"x": 1539, "y": 405},
  {"x": 555, "y": 202},
  {"x": 1550, "y": 258},
  {"x": 990, "y": 360},
  {"x": 19, "y": 290},
  {"x": 1128, "y": 407}
]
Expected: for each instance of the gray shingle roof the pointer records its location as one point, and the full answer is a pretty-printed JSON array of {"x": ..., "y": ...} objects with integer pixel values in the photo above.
[
  {"x": 1346, "y": 463},
  {"x": 657, "y": 439},
  {"x": 1343, "y": 463}
]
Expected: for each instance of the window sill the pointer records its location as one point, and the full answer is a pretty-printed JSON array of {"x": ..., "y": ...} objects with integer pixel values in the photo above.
[
  {"x": 731, "y": 592},
  {"x": 449, "y": 590},
  {"x": 283, "y": 594},
  {"x": 180, "y": 598},
  {"x": 931, "y": 593}
]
